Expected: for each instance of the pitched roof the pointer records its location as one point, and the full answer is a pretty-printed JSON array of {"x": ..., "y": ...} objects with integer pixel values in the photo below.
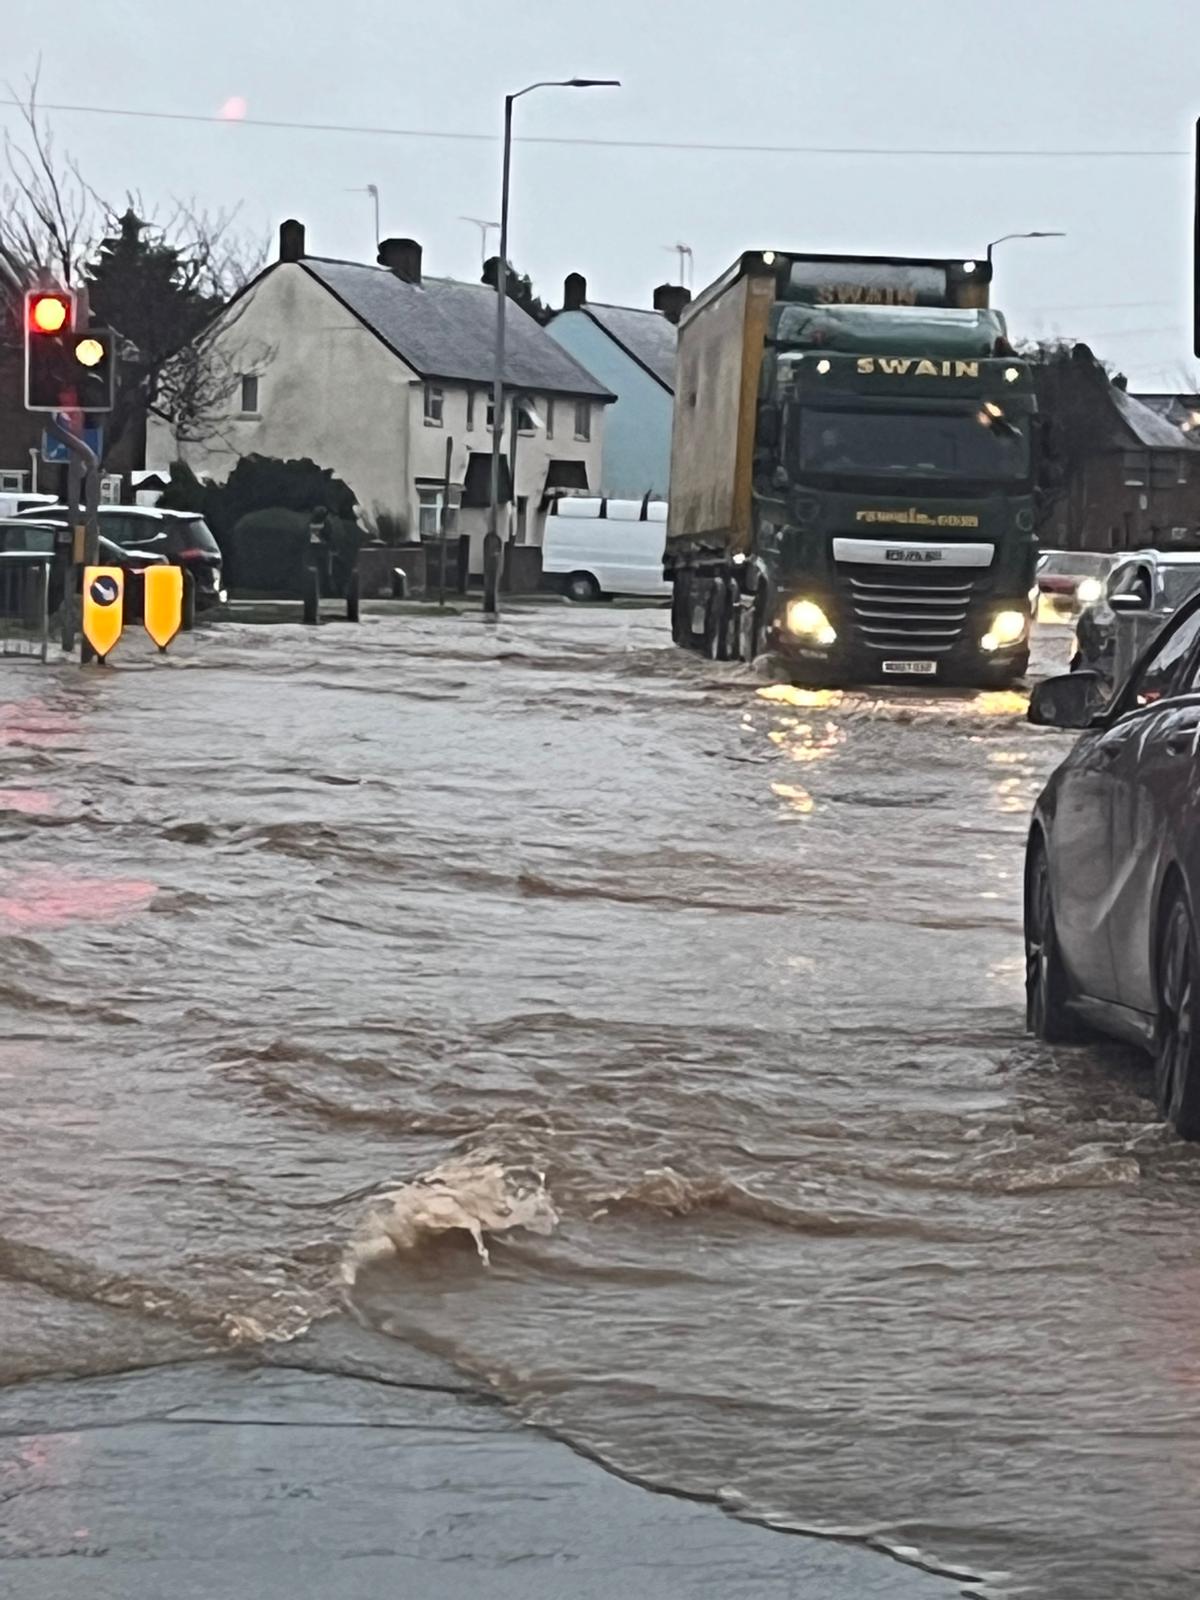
[
  {"x": 446, "y": 329},
  {"x": 1146, "y": 424},
  {"x": 1177, "y": 408},
  {"x": 647, "y": 336}
]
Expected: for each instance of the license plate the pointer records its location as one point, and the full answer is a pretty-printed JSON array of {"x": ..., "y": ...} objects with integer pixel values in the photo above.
[{"x": 919, "y": 669}]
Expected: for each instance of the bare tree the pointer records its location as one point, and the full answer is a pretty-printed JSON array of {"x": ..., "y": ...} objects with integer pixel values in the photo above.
[
  {"x": 165, "y": 284},
  {"x": 50, "y": 217}
]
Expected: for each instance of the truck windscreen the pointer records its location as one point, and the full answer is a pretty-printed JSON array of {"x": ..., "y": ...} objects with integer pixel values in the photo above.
[{"x": 891, "y": 444}]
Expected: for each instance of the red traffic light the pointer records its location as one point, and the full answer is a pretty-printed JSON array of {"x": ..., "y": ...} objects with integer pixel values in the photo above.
[{"x": 48, "y": 313}]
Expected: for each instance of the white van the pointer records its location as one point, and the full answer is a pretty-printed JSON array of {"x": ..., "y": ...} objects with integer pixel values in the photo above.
[{"x": 606, "y": 547}]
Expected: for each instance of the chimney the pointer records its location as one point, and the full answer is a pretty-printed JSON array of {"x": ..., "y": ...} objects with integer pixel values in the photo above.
[
  {"x": 574, "y": 291},
  {"x": 670, "y": 299},
  {"x": 403, "y": 257},
  {"x": 291, "y": 240}
]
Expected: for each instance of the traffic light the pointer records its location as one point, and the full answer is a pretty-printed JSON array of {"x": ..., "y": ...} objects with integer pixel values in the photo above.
[{"x": 66, "y": 368}]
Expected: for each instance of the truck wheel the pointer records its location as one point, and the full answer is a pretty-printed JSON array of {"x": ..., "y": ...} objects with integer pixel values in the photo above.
[
  {"x": 756, "y": 627},
  {"x": 733, "y": 622},
  {"x": 681, "y": 610},
  {"x": 716, "y": 623},
  {"x": 582, "y": 586}
]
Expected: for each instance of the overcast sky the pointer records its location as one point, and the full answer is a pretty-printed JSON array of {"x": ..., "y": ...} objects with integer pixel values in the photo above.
[{"x": 1040, "y": 75}]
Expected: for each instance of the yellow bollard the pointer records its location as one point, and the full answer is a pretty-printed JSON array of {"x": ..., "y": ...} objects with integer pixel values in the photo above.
[
  {"x": 103, "y": 607},
  {"x": 162, "y": 606}
]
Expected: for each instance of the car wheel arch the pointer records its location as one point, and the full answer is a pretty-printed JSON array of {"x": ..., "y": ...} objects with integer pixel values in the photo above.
[{"x": 1173, "y": 884}]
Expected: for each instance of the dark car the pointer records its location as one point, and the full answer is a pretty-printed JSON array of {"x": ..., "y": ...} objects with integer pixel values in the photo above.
[
  {"x": 181, "y": 537},
  {"x": 1112, "y": 873},
  {"x": 24, "y": 534}
]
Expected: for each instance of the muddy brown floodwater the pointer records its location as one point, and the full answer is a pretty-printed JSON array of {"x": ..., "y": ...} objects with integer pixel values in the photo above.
[{"x": 705, "y": 993}]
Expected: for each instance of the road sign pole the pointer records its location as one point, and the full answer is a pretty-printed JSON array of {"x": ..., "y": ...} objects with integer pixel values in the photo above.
[
  {"x": 84, "y": 464},
  {"x": 74, "y": 481}
]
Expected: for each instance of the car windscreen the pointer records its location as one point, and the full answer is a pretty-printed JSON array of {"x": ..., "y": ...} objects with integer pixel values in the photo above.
[
  {"x": 910, "y": 444},
  {"x": 1178, "y": 583},
  {"x": 1075, "y": 564}
]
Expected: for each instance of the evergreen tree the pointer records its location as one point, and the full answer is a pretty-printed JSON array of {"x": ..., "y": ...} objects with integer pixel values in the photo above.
[{"x": 520, "y": 289}]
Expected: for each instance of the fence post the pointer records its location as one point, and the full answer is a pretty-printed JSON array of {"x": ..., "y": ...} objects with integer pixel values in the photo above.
[{"x": 312, "y": 596}]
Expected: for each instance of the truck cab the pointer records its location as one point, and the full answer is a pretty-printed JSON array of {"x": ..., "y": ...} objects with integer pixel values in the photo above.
[{"x": 869, "y": 512}]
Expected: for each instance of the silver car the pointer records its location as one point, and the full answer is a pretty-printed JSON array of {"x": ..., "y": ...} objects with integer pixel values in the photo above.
[{"x": 1148, "y": 585}]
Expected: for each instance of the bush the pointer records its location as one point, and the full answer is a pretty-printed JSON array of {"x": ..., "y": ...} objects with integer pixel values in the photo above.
[
  {"x": 270, "y": 550},
  {"x": 390, "y": 527},
  {"x": 261, "y": 483},
  {"x": 184, "y": 491}
]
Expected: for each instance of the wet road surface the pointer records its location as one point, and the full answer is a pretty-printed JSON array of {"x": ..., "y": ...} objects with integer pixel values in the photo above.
[{"x": 696, "y": 997}]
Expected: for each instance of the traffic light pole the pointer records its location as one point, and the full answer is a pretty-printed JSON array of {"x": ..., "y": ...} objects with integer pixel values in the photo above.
[{"x": 83, "y": 464}]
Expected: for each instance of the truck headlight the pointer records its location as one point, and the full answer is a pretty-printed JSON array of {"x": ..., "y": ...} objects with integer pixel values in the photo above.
[
  {"x": 807, "y": 621},
  {"x": 1088, "y": 591},
  {"x": 1007, "y": 628}
]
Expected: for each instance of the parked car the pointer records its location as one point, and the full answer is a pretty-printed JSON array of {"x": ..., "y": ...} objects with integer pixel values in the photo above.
[
  {"x": 606, "y": 547},
  {"x": 1112, "y": 870},
  {"x": 17, "y": 502},
  {"x": 182, "y": 537},
  {"x": 1070, "y": 579},
  {"x": 1151, "y": 581},
  {"x": 24, "y": 534}
]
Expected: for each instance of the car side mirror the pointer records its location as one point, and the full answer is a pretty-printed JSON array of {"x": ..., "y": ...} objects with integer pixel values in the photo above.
[
  {"x": 1129, "y": 602},
  {"x": 1072, "y": 700}
]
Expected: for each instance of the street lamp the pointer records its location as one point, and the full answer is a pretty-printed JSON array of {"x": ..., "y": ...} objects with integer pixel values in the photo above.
[
  {"x": 1038, "y": 233},
  {"x": 491, "y": 543},
  {"x": 484, "y": 229}
]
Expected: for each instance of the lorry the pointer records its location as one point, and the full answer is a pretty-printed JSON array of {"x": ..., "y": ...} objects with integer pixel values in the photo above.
[{"x": 852, "y": 472}]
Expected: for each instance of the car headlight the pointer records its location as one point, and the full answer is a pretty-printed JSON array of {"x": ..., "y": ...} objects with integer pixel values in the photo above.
[
  {"x": 1088, "y": 591},
  {"x": 1007, "y": 628},
  {"x": 807, "y": 621}
]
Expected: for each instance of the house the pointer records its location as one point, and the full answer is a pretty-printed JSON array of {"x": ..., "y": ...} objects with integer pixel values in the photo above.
[
  {"x": 1127, "y": 476},
  {"x": 383, "y": 375},
  {"x": 1181, "y": 409},
  {"x": 632, "y": 351}
]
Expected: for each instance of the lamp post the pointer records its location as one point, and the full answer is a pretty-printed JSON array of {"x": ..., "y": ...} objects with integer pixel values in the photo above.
[
  {"x": 484, "y": 229},
  {"x": 491, "y": 543},
  {"x": 1038, "y": 233}
]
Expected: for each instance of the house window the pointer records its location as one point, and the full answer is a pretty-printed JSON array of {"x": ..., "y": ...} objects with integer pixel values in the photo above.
[
  {"x": 249, "y": 394},
  {"x": 1133, "y": 468},
  {"x": 491, "y": 410},
  {"x": 434, "y": 402},
  {"x": 470, "y": 410},
  {"x": 525, "y": 422},
  {"x": 549, "y": 417},
  {"x": 1165, "y": 469},
  {"x": 583, "y": 419},
  {"x": 429, "y": 513}
]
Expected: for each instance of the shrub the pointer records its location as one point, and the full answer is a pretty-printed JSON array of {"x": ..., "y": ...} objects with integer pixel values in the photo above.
[
  {"x": 390, "y": 527},
  {"x": 270, "y": 550}
]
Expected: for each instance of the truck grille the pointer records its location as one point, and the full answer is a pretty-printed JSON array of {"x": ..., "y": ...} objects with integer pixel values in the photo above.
[{"x": 913, "y": 613}]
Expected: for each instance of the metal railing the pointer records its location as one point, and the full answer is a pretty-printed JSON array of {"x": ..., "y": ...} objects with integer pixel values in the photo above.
[{"x": 25, "y": 603}]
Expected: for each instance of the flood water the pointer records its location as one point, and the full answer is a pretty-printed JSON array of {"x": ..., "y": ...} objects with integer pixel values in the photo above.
[{"x": 701, "y": 993}]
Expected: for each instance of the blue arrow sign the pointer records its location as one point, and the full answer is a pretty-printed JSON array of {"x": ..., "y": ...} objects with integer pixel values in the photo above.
[{"x": 55, "y": 452}]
